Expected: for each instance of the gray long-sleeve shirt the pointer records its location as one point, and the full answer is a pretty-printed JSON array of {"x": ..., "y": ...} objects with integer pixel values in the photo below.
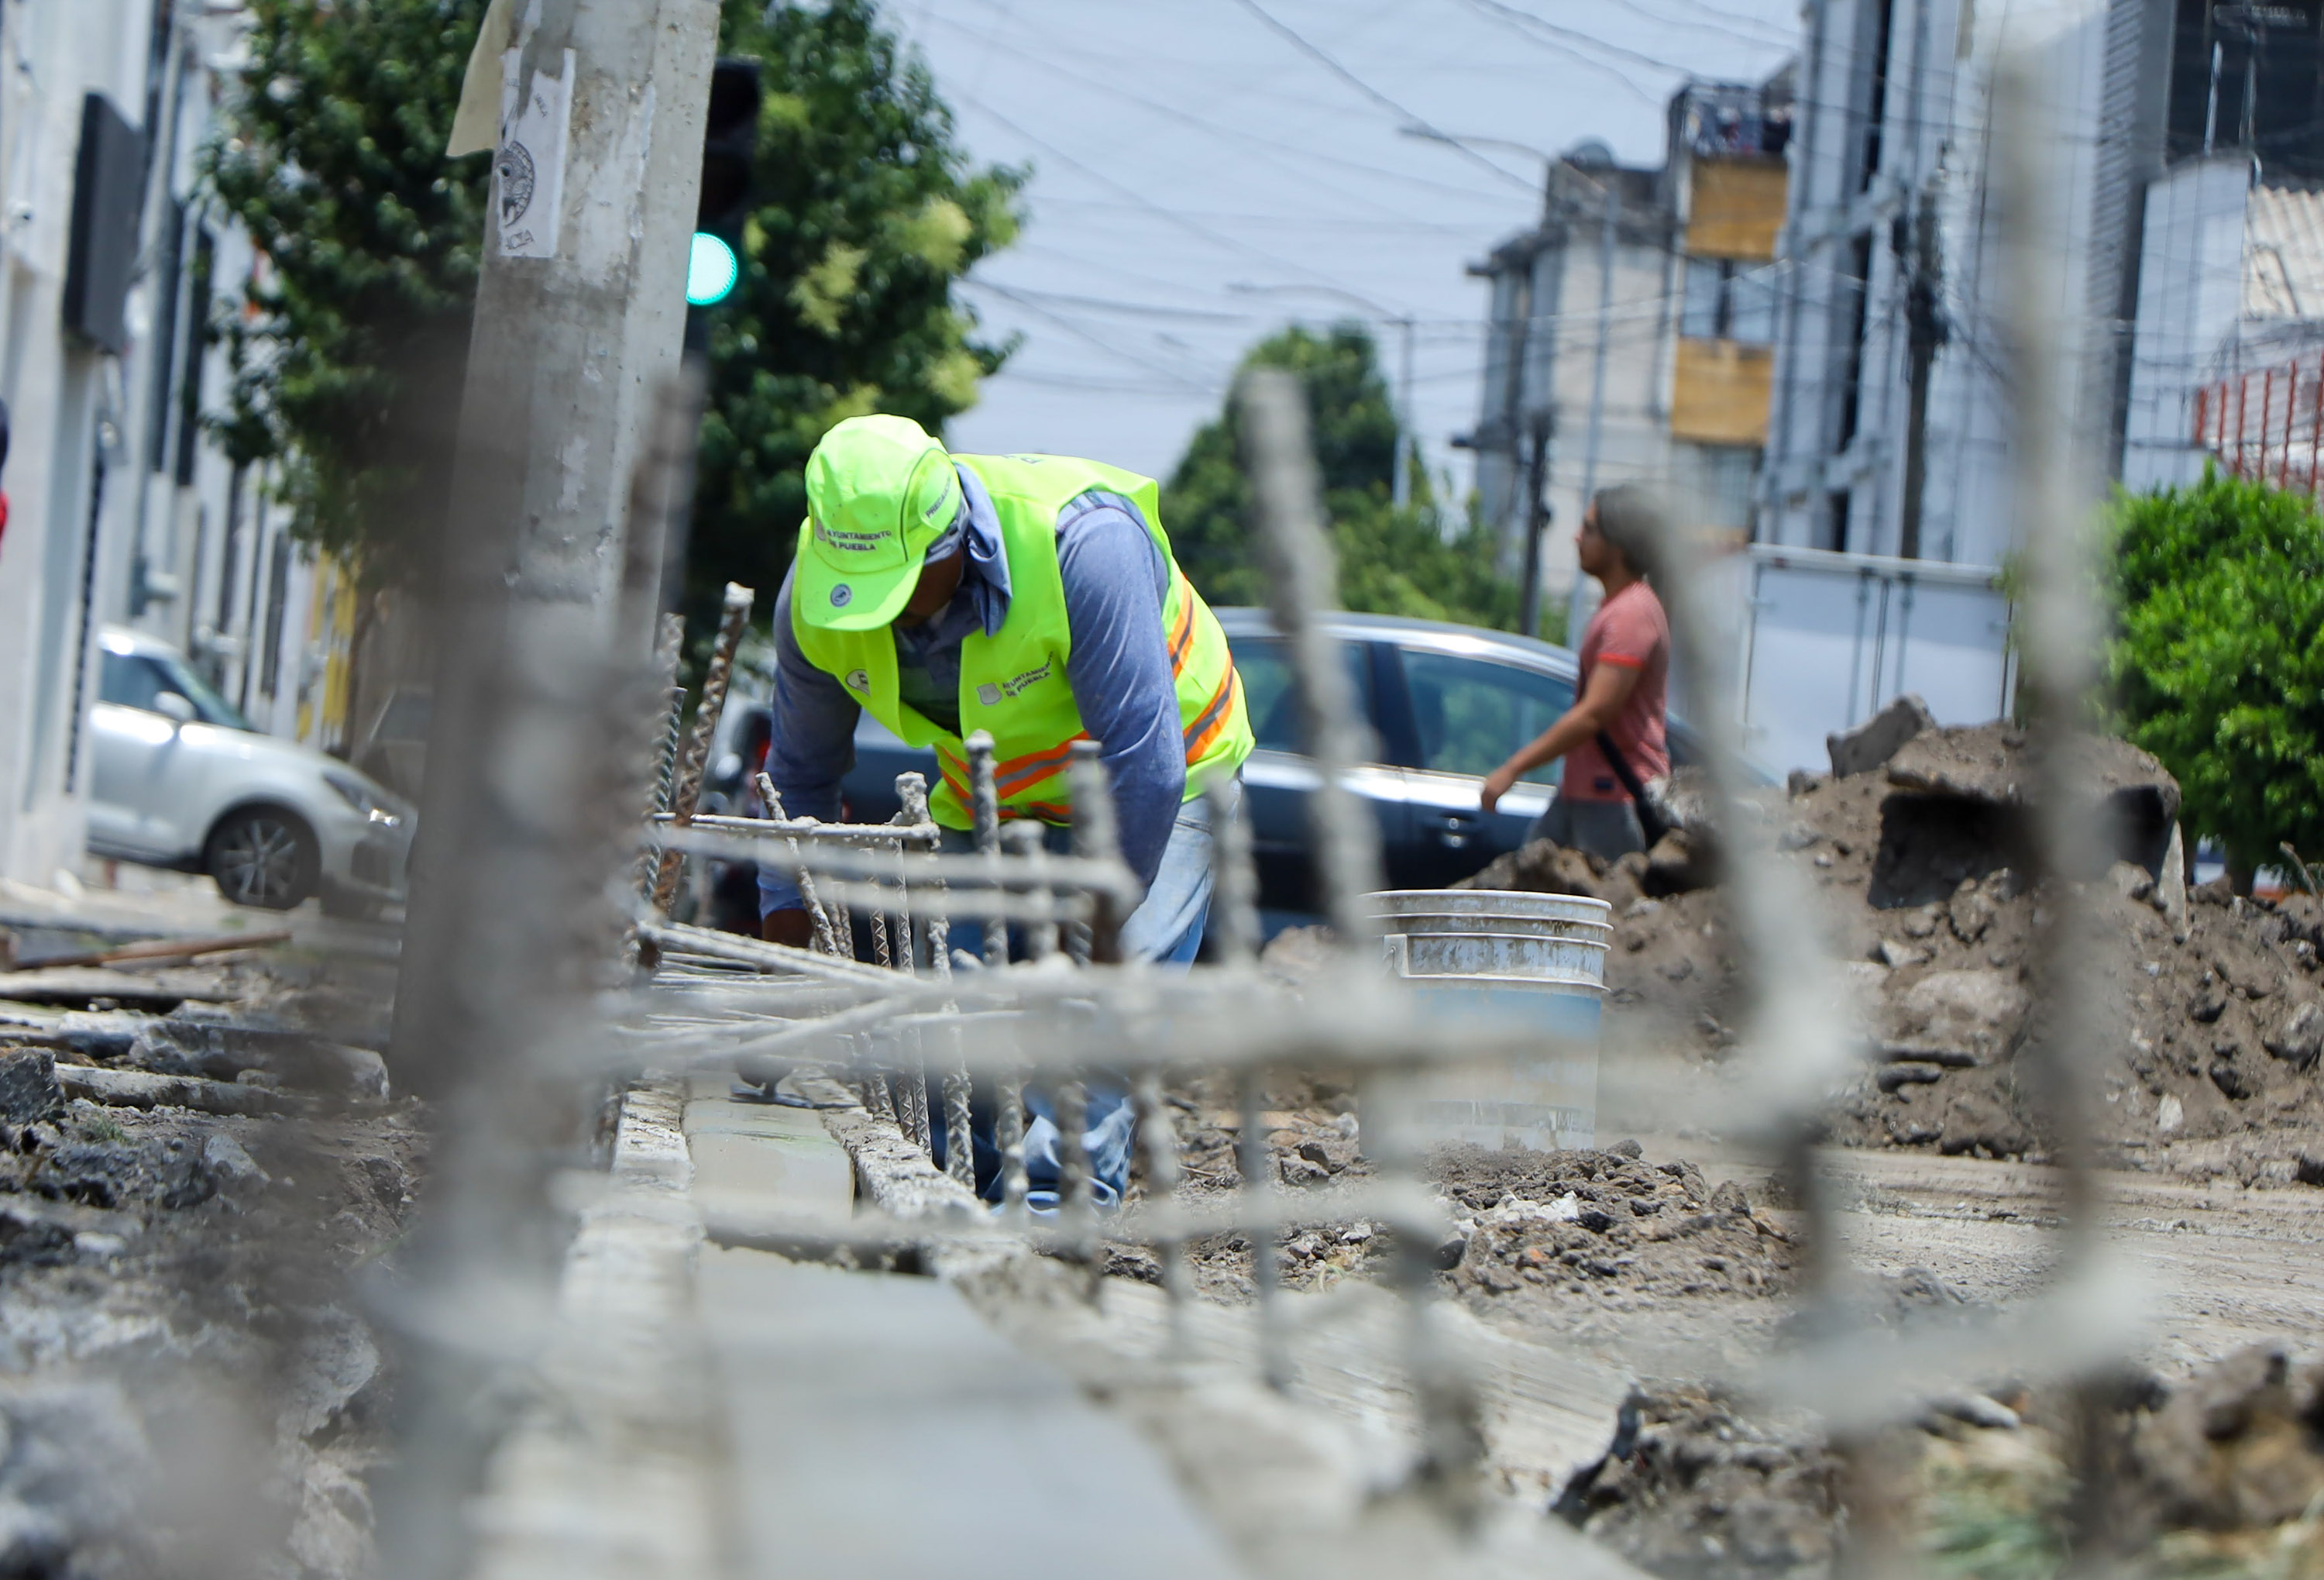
[{"x": 1115, "y": 584}]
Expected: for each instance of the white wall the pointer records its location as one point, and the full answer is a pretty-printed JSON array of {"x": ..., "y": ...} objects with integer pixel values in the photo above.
[
  {"x": 1935, "y": 140},
  {"x": 65, "y": 400},
  {"x": 2190, "y": 304},
  {"x": 81, "y": 415}
]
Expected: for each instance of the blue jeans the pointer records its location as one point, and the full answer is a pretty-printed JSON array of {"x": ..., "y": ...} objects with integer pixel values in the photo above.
[{"x": 1167, "y": 929}]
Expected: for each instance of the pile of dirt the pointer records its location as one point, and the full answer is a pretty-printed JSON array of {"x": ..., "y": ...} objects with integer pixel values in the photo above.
[
  {"x": 2222, "y": 1474},
  {"x": 2212, "y": 1015},
  {"x": 1313, "y": 1142},
  {"x": 1694, "y": 1484},
  {"x": 1603, "y": 1222}
]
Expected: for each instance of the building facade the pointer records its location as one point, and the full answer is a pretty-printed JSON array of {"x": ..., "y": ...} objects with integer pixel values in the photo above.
[
  {"x": 1892, "y": 412},
  {"x": 122, "y": 508},
  {"x": 1628, "y": 336},
  {"x": 2230, "y": 328}
]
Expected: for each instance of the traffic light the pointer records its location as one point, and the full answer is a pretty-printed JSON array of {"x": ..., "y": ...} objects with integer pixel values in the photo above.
[{"x": 730, "y": 143}]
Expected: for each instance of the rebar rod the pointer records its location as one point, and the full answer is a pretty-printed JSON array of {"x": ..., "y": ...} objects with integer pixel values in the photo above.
[
  {"x": 1255, "y": 1164},
  {"x": 798, "y": 828},
  {"x": 1233, "y": 931},
  {"x": 1096, "y": 838},
  {"x": 1026, "y": 841},
  {"x": 734, "y": 617},
  {"x": 669, "y": 642},
  {"x": 1159, "y": 1144},
  {"x": 816, "y": 916},
  {"x": 1076, "y": 1195},
  {"x": 984, "y": 815},
  {"x": 669, "y": 646},
  {"x": 1008, "y": 1136},
  {"x": 1302, "y": 580},
  {"x": 960, "y": 1153},
  {"x": 892, "y": 866},
  {"x": 2059, "y": 638}
]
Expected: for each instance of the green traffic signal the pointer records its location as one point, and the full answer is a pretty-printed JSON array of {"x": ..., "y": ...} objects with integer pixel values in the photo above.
[{"x": 711, "y": 270}]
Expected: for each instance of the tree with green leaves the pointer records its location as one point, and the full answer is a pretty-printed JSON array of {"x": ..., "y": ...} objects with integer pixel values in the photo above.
[
  {"x": 2217, "y": 658},
  {"x": 865, "y": 212},
  {"x": 349, "y": 365},
  {"x": 1391, "y": 561},
  {"x": 349, "y": 373}
]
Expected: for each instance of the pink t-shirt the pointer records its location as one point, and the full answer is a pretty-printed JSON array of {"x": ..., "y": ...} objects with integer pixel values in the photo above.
[{"x": 1628, "y": 629}]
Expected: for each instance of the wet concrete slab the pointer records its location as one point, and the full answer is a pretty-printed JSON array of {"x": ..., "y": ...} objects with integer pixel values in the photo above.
[{"x": 883, "y": 1431}]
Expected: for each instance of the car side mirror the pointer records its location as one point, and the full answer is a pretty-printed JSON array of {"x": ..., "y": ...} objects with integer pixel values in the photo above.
[{"x": 174, "y": 705}]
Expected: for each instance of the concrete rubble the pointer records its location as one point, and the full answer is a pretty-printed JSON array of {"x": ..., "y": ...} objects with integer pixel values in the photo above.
[{"x": 191, "y": 1191}]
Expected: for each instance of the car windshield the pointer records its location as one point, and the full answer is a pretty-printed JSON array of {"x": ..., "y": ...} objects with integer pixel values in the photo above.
[{"x": 137, "y": 680}]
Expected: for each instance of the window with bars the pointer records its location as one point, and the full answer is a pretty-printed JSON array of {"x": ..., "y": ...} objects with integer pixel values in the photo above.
[{"x": 1727, "y": 298}]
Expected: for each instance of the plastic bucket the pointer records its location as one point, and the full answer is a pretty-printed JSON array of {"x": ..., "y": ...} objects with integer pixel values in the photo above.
[
  {"x": 1487, "y": 957},
  {"x": 1578, "y": 961},
  {"x": 1500, "y": 904}
]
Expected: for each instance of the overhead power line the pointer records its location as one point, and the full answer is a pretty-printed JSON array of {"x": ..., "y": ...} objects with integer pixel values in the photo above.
[
  {"x": 1316, "y": 52},
  {"x": 1101, "y": 342},
  {"x": 1107, "y": 304},
  {"x": 1168, "y": 214},
  {"x": 1241, "y": 140}
]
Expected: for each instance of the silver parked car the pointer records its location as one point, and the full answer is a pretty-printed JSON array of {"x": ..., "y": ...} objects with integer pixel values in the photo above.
[{"x": 180, "y": 779}]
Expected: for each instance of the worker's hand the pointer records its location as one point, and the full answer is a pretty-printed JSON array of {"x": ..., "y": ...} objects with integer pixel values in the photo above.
[
  {"x": 793, "y": 926},
  {"x": 1498, "y": 783}
]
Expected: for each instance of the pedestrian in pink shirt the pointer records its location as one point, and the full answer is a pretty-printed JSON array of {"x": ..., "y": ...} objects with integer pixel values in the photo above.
[{"x": 1612, "y": 738}]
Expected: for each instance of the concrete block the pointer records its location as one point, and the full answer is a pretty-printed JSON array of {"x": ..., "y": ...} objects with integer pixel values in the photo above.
[
  {"x": 882, "y": 1431},
  {"x": 1878, "y": 738}
]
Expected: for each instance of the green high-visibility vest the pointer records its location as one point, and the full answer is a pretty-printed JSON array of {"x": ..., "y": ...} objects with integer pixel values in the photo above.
[{"x": 1013, "y": 682}]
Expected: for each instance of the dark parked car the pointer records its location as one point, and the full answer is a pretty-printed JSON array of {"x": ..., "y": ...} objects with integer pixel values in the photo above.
[{"x": 1445, "y": 705}]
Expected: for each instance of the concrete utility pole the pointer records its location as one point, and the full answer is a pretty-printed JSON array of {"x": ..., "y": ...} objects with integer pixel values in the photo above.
[
  {"x": 1536, "y": 519},
  {"x": 1513, "y": 390},
  {"x": 579, "y": 314},
  {"x": 580, "y": 311},
  {"x": 1582, "y": 600}
]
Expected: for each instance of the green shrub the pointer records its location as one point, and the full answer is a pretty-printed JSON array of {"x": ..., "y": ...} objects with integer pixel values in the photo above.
[{"x": 2217, "y": 657}]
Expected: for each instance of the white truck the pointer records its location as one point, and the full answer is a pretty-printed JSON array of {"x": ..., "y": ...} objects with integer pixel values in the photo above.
[{"x": 1825, "y": 639}]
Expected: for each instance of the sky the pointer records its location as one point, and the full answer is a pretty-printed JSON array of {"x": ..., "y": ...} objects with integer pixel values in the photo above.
[{"x": 1206, "y": 172}]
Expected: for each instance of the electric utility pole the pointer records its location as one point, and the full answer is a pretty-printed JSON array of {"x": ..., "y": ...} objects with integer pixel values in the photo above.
[
  {"x": 580, "y": 310},
  {"x": 1581, "y": 601},
  {"x": 1536, "y": 519}
]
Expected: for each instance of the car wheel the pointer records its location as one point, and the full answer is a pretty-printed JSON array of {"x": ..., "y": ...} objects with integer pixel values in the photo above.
[{"x": 262, "y": 856}]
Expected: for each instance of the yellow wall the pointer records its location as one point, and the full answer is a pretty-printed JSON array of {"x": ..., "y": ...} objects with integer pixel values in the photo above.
[
  {"x": 1736, "y": 208},
  {"x": 1720, "y": 393},
  {"x": 331, "y": 623}
]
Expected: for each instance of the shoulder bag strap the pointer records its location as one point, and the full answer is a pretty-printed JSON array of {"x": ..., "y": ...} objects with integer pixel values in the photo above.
[{"x": 1650, "y": 819}]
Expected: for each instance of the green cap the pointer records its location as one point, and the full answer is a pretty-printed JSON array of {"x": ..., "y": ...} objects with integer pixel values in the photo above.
[{"x": 879, "y": 491}]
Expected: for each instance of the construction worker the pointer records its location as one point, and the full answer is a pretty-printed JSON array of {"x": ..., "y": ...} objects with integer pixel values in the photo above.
[
  {"x": 1031, "y": 596},
  {"x": 1613, "y": 737}
]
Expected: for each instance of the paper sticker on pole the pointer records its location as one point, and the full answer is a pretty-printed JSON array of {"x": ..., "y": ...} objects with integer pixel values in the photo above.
[{"x": 528, "y": 169}]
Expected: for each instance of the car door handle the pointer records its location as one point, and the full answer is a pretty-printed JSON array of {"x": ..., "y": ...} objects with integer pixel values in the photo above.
[{"x": 1453, "y": 828}]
